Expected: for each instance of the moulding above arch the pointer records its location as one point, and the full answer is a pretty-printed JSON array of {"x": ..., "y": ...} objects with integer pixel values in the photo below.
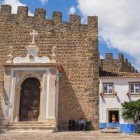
[{"x": 24, "y": 76}]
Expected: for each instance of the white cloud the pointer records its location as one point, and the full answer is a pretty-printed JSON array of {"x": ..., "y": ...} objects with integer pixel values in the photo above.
[
  {"x": 15, "y": 4},
  {"x": 72, "y": 10},
  {"x": 101, "y": 57},
  {"x": 119, "y": 23},
  {"x": 43, "y": 1}
]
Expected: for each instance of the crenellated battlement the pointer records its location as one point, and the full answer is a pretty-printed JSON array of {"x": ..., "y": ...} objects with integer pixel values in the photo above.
[
  {"x": 121, "y": 57},
  {"x": 6, "y": 9},
  {"x": 41, "y": 14},
  {"x": 93, "y": 21},
  {"x": 109, "y": 56},
  {"x": 120, "y": 64},
  {"x": 22, "y": 10},
  {"x": 57, "y": 17},
  {"x": 75, "y": 19}
]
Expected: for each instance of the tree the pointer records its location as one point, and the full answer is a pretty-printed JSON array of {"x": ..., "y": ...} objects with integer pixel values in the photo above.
[{"x": 131, "y": 110}]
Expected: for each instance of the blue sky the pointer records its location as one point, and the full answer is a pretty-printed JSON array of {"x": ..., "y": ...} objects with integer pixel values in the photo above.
[
  {"x": 50, "y": 6},
  {"x": 116, "y": 29}
]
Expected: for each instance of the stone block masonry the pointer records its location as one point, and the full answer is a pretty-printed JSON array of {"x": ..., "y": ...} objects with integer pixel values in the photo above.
[
  {"x": 121, "y": 64},
  {"x": 77, "y": 51}
]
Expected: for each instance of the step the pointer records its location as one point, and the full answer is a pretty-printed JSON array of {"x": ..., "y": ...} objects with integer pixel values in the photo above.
[
  {"x": 36, "y": 124},
  {"x": 27, "y": 125},
  {"x": 114, "y": 130},
  {"x": 31, "y": 127},
  {"x": 28, "y": 122}
]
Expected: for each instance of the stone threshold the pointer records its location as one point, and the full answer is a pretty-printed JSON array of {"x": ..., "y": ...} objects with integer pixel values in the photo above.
[{"x": 109, "y": 130}]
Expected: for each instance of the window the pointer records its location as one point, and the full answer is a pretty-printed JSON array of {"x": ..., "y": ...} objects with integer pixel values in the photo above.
[
  {"x": 134, "y": 87},
  {"x": 108, "y": 88},
  {"x": 113, "y": 115}
]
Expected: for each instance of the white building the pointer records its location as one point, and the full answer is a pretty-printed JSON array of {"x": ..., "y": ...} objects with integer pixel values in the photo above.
[{"x": 116, "y": 88}]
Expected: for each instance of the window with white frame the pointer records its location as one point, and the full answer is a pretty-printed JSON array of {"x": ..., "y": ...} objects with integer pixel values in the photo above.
[
  {"x": 108, "y": 88},
  {"x": 134, "y": 87}
]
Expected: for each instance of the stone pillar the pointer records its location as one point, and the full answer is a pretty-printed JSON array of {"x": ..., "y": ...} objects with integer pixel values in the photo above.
[
  {"x": 51, "y": 101},
  {"x": 7, "y": 84},
  {"x": 17, "y": 105},
  {"x": 56, "y": 96},
  {"x": 12, "y": 98},
  {"x": 43, "y": 90}
]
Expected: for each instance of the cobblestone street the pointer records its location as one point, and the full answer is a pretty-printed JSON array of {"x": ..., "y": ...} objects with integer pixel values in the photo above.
[{"x": 43, "y": 135}]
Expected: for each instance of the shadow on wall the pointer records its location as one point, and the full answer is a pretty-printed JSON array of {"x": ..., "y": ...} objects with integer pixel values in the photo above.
[
  {"x": 5, "y": 96},
  {"x": 4, "y": 104},
  {"x": 3, "y": 107},
  {"x": 118, "y": 99},
  {"x": 103, "y": 99},
  {"x": 68, "y": 104}
]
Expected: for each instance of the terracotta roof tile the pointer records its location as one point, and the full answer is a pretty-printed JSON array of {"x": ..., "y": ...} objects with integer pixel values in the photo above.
[{"x": 119, "y": 74}]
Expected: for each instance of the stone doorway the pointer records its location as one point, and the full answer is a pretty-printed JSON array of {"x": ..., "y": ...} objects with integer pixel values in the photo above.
[{"x": 29, "y": 100}]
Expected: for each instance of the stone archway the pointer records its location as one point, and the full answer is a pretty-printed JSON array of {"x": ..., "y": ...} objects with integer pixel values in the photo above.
[{"x": 29, "y": 100}]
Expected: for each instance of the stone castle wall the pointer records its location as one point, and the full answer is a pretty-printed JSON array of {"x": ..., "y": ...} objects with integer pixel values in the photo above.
[
  {"x": 121, "y": 64},
  {"x": 77, "y": 51}
]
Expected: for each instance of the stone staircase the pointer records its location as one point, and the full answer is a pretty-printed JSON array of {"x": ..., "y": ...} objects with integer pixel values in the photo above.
[{"x": 27, "y": 126}]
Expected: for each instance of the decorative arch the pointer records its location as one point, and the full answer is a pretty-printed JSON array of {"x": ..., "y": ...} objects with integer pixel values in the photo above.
[
  {"x": 24, "y": 77},
  {"x": 29, "y": 105},
  {"x": 18, "y": 90}
]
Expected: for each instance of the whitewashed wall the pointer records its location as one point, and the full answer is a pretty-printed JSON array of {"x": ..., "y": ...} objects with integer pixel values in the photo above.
[{"x": 121, "y": 87}]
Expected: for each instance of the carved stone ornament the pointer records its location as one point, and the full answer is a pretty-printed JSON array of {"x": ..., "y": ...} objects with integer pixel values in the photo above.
[
  {"x": 10, "y": 55},
  {"x": 54, "y": 54},
  {"x": 32, "y": 53}
]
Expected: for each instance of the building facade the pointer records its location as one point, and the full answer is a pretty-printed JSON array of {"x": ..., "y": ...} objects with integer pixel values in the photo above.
[
  {"x": 55, "y": 77},
  {"x": 116, "y": 88},
  {"x": 75, "y": 94}
]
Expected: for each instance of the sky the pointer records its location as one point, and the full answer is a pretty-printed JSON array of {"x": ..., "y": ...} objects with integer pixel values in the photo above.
[{"x": 119, "y": 22}]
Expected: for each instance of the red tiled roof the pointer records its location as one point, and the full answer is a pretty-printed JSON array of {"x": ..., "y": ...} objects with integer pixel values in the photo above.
[{"x": 119, "y": 74}]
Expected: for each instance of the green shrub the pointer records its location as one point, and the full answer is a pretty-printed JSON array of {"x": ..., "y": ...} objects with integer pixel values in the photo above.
[{"x": 138, "y": 131}]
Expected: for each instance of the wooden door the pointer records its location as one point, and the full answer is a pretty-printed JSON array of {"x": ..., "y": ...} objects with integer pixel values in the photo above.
[{"x": 29, "y": 100}]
